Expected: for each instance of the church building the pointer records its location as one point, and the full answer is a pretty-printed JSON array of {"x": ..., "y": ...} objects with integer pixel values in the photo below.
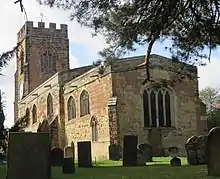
[{"x": 102, "y": 105}]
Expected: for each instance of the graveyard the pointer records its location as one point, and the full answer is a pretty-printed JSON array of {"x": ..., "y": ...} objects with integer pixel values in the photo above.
[
  {"x": 160, "y": 169},
  {"x": 30, "y": 155}
]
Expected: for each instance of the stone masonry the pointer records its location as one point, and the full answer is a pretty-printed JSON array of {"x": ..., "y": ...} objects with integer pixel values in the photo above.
[{"x": 115, "y": 98}]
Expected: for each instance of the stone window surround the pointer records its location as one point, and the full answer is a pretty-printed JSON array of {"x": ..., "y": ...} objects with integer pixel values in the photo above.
[
  {"x": 77, "y": 104},
  {"x": 173, "y": 107},
  {"x": 48, "y": 59},
  {"x": 71, "y": 105},
  {"x": 82, "y": 94},
  {"x": 34, "y": 114}
]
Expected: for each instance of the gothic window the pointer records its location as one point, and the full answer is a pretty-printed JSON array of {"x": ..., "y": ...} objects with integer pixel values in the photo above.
[
  {"x": 27, "y": 115},
  {"x": 49, "y": 105},
  {"x": 22, "y": 62},
  {"x": 48, "y": 61},
  {"x": 34, "y": 114},
  {"x": 84, "y": 103},
  {"x": 94, "y": 126},
  {"x": 71, "y": 108},
  {"x": 158, "y": 107}
]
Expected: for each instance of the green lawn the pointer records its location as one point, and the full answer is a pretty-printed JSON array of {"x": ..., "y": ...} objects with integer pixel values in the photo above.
[{"x": 159, "y": 169}]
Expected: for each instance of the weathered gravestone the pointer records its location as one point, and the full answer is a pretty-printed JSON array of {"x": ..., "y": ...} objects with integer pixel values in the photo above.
[
  {"x": 175, "y": 161},
  {"x": 69, "y": 152},
  {"x": 84, "y": 154},
  {"x": 114, "y": 152},
  {"x": 56, "y": 157},
  {"x": 201, "y": 149},
  {"x": 140, "y": 158},
  {"x": 191, "y": 150},
  {"x": 213, "y": 152},
  {"x": 68, "y": 160},
  {"x": 130, "y": 150},
  {"x": 28, "y": 156},
  {"x": 147, "y": 151}
]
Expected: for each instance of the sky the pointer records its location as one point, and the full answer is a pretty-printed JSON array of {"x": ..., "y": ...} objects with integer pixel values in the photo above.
[{"x": 83, "y": 47}]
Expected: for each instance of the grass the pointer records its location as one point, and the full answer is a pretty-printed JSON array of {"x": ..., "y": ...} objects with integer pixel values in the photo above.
[{"x": 159, "y": 169}]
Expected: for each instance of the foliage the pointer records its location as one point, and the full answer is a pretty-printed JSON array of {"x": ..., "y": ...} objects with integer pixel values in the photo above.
[
  {"x": 19, "y": 125},
  {"x": 192, "y": 26},
  {"x": 5, "y": 57},
  {"x": 211, "y": 98}
]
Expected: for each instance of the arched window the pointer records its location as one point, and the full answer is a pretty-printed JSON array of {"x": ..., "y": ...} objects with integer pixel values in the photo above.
[
  {"x": 27, "y": 115},
  {"x": 34, "y": 114},
  {"x": 84, "y": 103},
  {"x": 48, "y": 60},
  {"x": 158, "y": 107},
  {"x": 71, "y": 107},
  {"x": 22, "y": 61},
  {"x": 94, "y": 126},
  {"x": 49, "y": 105}
]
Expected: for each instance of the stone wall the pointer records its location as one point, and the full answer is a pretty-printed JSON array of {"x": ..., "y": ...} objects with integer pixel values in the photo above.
[
  {"x": 128, "y": 87},
  {"x": 99, "y": 89}
]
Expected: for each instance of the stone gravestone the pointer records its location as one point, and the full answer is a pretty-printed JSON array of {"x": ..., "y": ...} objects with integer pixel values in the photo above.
[
  {"x": 201, "y": 149},
  {"x": 68, "y": 161},
  {"x": 28, "y": 156},
  {"x": 130, "y": 150},
  {"x": 175, "y": 161},
  {"x": 56, "y": 157},
  {"x": 213, "y": 152},
  {"x": 84, "y": 154},
  {"x": 191, "y": 150},
  {"x": 114, "y": 152},
  {"x": 140, "y": 158},
  {"x": 147, "y": 151}
]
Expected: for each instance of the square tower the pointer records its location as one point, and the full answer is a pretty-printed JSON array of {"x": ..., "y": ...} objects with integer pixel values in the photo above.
[{"x": 42, "y": 53}]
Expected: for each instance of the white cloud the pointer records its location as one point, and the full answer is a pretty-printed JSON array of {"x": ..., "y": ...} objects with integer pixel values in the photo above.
[{"x": 209, "y": 74}]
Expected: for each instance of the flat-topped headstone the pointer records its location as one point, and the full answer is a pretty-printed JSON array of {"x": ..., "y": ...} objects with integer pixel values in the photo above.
[
  {"x": 69, "y": 152},
  {"x": 114, "y": 152},
  {"x": 130, "y": 150},
  {"x": 68, "y": 165},
  {"x": 28, "y": 156},
  {"x": 213, "y": 152},
  {"x": 84, "y": 154}
]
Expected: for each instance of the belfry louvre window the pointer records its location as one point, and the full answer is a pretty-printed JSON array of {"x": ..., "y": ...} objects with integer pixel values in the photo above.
[
  {"x": 48, "y": 61},
  {"x": 158, "y": 107}
]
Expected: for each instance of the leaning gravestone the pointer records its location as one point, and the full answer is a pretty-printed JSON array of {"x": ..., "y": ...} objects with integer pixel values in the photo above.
[
  {"x": 28, "y": 156},
  {"x": 68, "y": 161},
  {"x": 56, "y": 157},
  {"x": 114, "y": 152},
  {"x": 147, "y": 151},
  {"x": 130, "y": 150},
  {"x": 213, "y": 152},
  {"x": 191, "y": 150},
  {"x": 84, "y": 154}
]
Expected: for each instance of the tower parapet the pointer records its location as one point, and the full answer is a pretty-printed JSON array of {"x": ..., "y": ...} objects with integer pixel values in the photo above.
[{"x": 28, "y": 29}]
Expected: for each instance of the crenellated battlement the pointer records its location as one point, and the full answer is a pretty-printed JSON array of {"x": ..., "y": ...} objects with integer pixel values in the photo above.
[{"x": 28, "y": 29}]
